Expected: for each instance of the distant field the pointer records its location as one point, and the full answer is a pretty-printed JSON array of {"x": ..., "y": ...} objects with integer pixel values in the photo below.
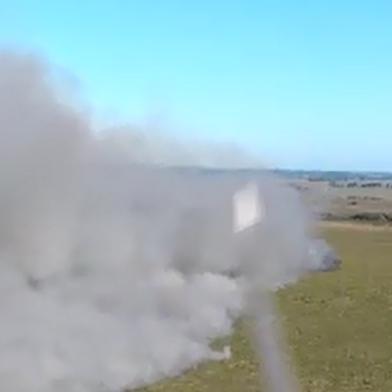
[
  {"x": 346, "y": 203},
  {"x": 339, "y": 326}
]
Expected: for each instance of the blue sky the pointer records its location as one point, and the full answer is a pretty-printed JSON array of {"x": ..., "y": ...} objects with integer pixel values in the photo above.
[{"x": 303, "y": 84}]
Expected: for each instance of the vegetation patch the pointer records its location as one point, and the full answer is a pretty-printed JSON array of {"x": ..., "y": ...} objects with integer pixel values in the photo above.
[{"x": 338, "y": 326}]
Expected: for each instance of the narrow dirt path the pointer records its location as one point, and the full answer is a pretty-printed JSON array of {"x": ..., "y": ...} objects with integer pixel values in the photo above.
[{"x": 355, "y": 226}]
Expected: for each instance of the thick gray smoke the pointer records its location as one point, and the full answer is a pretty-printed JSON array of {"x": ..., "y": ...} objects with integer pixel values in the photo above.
[{"x": 115, "y": 274}]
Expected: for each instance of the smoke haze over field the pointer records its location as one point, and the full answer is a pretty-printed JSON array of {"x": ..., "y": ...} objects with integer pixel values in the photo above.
[{"x": 114, "y": 273}]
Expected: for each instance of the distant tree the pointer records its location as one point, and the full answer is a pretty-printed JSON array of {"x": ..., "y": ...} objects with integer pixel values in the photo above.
[{"x": 352, "y": 184}]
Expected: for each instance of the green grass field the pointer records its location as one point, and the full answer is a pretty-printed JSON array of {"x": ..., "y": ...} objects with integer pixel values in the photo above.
[{"x": 339, "y": 327}]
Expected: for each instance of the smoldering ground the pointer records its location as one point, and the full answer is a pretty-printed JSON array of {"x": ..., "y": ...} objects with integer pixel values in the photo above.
[{"x": 115, "y": 273}]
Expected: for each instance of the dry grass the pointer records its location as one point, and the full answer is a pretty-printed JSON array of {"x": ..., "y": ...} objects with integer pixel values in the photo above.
[{"x": 339, "y": 327}]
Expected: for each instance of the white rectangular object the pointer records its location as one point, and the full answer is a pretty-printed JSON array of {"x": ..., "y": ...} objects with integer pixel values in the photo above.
[{"x": 247, "y": 208}]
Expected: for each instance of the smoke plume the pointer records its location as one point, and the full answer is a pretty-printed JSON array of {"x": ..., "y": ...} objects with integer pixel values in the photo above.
[{"x": 116, "y": 273}]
